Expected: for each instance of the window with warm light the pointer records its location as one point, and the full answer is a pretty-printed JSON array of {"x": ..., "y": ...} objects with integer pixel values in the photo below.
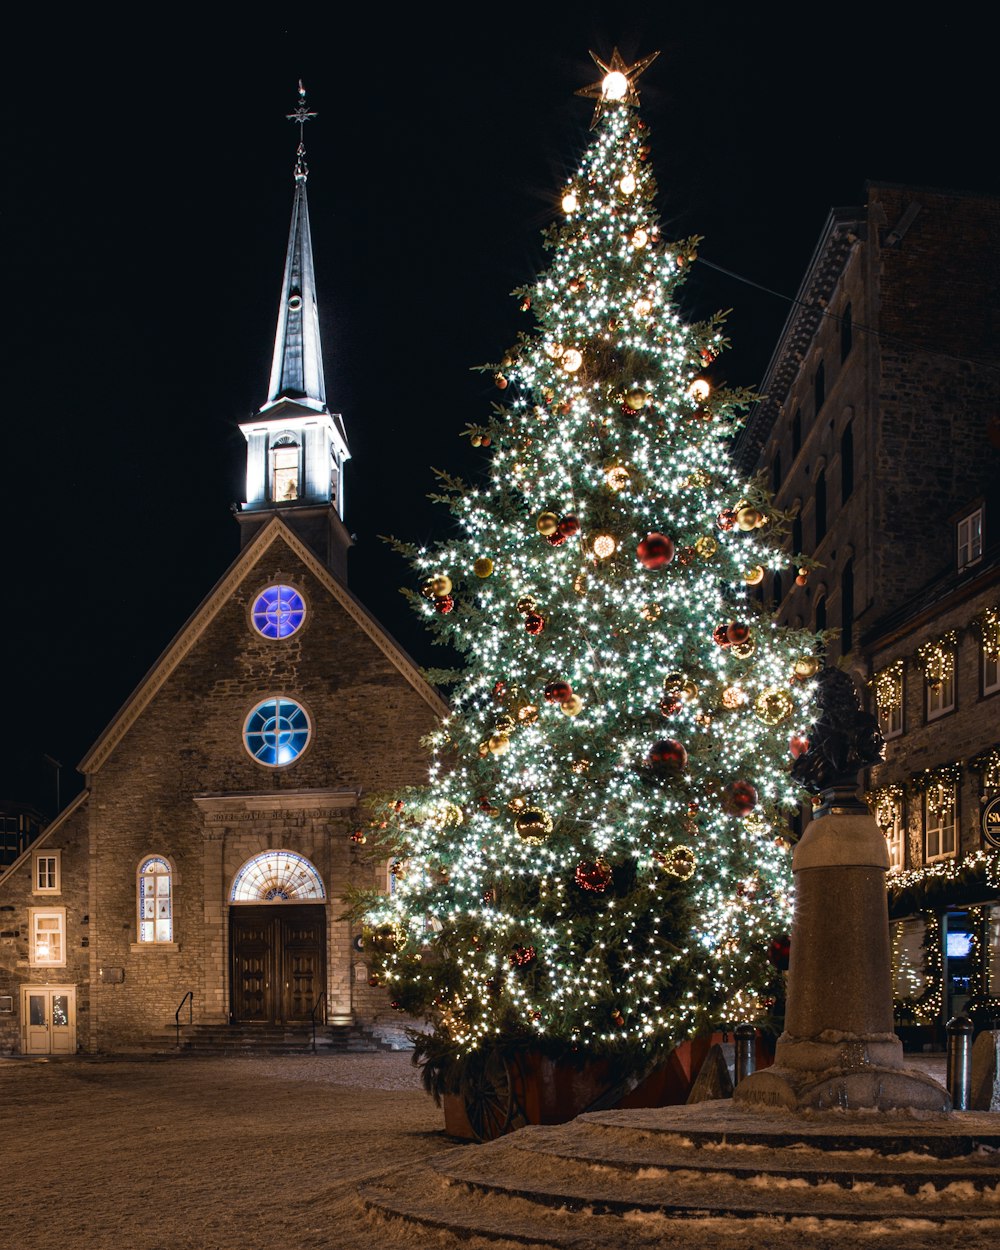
[
  {"x": 970, "y": 539},
  {"x": 888, "y": 685},
  {"x": 991, "y": 671},
  {"x": 895, "y": 837},
  {"x": 155, "y": 901},
  {"x": 941, "y": 696},
  {"x": 48, "y": 937},
  {"x": 940, "y": 822},
  {"x": 285, "y": 471},
  {"x": 45, "y": 874}
]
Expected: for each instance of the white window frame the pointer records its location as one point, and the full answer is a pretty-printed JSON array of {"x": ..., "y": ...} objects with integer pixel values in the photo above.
[
  {"x": 941, "y": 696},
  {"x": 890, "y": 719},
  {"x": 36, "y": 915},
  {"x": 991, "y": 673},
  {"x": 970, "y": 539},
  {"x": 895, "y": 838},
  {"x": 52, "y": 874},
  {"x": 939, "y": 833},
  {"x": 154, "y": 941}
]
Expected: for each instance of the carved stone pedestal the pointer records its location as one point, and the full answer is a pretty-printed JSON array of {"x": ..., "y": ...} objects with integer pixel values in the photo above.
[{"x": 839, "y": 1048}]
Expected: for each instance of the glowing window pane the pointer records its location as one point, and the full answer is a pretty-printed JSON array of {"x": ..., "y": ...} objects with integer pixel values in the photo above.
[
  {"x": 278, "y": 612},
  {"x": 276, "y": 877},
  {"x": 155, "y": 922},
  {"x": 276, "y": 732}
]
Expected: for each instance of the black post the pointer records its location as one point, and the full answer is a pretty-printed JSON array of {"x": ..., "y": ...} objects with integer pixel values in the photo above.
[
  {"x": 959, "y": 1029},
  {"x": 746, "y": 1051}
]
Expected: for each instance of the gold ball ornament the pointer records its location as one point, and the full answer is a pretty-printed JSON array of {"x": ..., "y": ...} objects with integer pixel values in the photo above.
[
  {"x": 547, "y": 523},
  {"x": 571, "y": 360},
  {"x": 441, "y": 586},
  {"x": 527, "y": 714},
  {"x": 483, "y": 567},
  {"x": 706, "y": 547},
  {"x": 604, "y": 546},
  {"x": 677, "y": 861},
  {"x": 499, "y": 744},
  {"x": 754, "y": 575},
  {"x": 636, "y": 398},
  {"x": 773, "y": 705},
  {"x": 743, "y": 650},
  {"x": 504, "y": 724},
  {"x": 526, "y": 603},
  {"x": 616, "y": 477},
  {"x": 748, "y": 519},
  {"x": 533, "y": 825},
  {"x": 673, "y": 682},
  {"x": 572, "y": 707},
  {"x": 734, "y": 696},
  {"x": 806, "y": 666}
]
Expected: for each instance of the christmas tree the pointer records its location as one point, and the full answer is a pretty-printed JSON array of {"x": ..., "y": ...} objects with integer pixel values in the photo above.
[{"x": 600, "y": 860}]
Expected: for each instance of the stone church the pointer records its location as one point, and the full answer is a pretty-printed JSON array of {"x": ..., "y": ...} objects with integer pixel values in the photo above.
[{"x": 204, "y": 860}]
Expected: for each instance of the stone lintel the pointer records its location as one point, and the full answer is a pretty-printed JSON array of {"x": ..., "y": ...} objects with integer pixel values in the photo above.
[{"x": 220, "y": 806}]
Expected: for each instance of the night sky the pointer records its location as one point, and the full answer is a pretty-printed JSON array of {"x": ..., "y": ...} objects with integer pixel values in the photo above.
[{"x": 148, "y": 186}]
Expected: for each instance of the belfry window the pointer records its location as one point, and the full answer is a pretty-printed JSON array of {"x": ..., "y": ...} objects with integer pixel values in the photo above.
[
  {"x": 155, "y": 901},
  {"x": 284, "y": 470}
]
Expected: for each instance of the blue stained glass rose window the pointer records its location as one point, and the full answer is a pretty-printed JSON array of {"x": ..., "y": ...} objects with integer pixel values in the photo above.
[
  {"x": 278, "y": 612},
  {"x": 276, "y": 732}
]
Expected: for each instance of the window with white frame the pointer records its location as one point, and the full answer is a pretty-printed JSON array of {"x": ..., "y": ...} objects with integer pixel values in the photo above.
[
  {"x": 940, "y": 821},
  {"x": 991, "y": 673},
  {"x": 989, "y": 623},
  {"x": 937, "y": 659},
  {"x": 970, "y": 539},
  {"x": 887, "y": 805},
  {"x": 47, "y": 948},
  {"x": 284, "y": 470},
  {"x": 45, "y": 877},
  {"x": 154, "y": 898},
  {"x": 888, "y": 686}
]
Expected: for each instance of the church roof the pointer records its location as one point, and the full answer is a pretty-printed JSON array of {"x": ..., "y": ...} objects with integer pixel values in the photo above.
[{"x": 273, "y": 532}]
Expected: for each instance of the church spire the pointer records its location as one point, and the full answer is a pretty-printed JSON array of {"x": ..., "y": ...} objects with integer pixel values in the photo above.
[
  {"x": 297, "y": 363},
  {"x": 297, "y": 447}
]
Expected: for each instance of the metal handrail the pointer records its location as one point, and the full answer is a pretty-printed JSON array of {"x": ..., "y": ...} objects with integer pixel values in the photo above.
[
  {"x": 189, "y": 999},
  {"x": 320, "y": 1002}
]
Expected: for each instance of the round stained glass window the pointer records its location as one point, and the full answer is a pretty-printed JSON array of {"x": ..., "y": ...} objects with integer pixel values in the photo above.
[
  {"x": 278, "y": 612},
  {"x": 276, "y": 732}
]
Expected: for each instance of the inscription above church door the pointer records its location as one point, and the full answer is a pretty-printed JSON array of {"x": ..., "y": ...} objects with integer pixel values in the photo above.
[{"x": 278, "y": 962}]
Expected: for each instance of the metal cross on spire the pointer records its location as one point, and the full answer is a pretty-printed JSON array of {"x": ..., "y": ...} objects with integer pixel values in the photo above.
[{"x": 301, "y": 115}]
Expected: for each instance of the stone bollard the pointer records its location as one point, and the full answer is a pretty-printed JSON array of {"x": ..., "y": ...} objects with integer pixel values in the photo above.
[
  {"x": 959, "y": 1030},
  {"x": 746, "y": 1051}
]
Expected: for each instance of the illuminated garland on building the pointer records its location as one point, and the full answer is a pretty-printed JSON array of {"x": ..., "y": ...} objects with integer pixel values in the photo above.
[
  {"x": 888, "y": 687},
  {"x": 937, "y": 658},
  {"x": 601, "y": 845},
  {"x": 987, "y": 766},
  {"x": 938, "y": 786},
  {"x": 886, "y": 803},
  {"x": 987, "y": 624}
]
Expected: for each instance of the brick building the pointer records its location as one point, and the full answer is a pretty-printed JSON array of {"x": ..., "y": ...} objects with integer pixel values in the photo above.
[
  {"x": 879, "y": 429},
  {"x": 208, "y": 851}
]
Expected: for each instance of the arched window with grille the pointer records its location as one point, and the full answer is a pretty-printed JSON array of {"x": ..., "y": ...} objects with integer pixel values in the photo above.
[
  {"x": 154, "y": 900},
  {"x": 285, "y": 469}
]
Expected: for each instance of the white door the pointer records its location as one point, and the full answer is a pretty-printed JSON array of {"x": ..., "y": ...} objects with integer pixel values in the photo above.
[{"x": 49, "y": 1014}]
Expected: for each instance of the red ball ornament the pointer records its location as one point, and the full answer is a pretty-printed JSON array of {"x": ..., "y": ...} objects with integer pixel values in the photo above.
[
  {"x": 726, "y": 519},
  {"x": 499, "y": 689},
  {"x": 720, "y": 635},
  {"x": 739, "y": 798},
  {"x": 556, "y": 539},
  {"x": 655, "y": 551},
  {"x": 444, "y": 605},
  {"x": 670, "y": 704},
  {"x": 569, "y": 526},
  {"x": 593, "y": 875},
  {"x": 522, "y": 956},
  {"x": 558, "y": 692},
  {"x": 667, "y": 755},
  {"x": 737, "y": 633},
  {"x": 534, "y": 623},
  {"x": 797, "y": 746}
]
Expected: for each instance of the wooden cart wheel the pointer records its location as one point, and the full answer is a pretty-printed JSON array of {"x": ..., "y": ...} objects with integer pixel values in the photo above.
[{"x": 489, "y": 1098}]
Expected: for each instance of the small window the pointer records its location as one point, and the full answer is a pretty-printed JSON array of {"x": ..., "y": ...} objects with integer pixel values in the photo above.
[
  {"x": 895, "y": 835},
  {"x": 889, "y": 700},
  {"x": 45, "y": 872},
  {"x": 155, "y": 901},
  {"x": 970, "y": 539},
  {"x": 940, "y": 822},
  {"x": 820, "y": 502},
  {"x": 847, "y": 462},
  {"x": 846, "y": 332},
  {"x": 285, "y": 470},
  {"x": 797, "y": 432},
  {"x": 941, "y": 695},
  {"x": 278, "y": 612},
  {"x": 48, "y": 937},
  {"x": 847, "y": 608},
  {"x": 819, "y": 387},
  {"x": 276, "y": 732},
  {"x": 991, "y": 670}
]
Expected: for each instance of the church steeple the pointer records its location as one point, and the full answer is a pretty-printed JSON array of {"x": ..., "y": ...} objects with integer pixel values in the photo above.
[{"x": 296, "y": 447}]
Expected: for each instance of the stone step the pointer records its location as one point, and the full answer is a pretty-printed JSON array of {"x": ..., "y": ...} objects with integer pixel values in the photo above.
[{"x": 669, "y": 1176}]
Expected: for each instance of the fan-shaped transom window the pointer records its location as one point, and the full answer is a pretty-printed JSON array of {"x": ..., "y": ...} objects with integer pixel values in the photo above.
[
  {"x": 155, "y": 902},
  {"x": 276, "y": 732},
  {"x": 277, "y": 877},
  {"x": 278, "y": 612}
]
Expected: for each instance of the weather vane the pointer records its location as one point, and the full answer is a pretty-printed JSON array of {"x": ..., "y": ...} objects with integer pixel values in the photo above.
[
  {"x": 618, "y": 84},
  {"x": 301, "y": 115}
]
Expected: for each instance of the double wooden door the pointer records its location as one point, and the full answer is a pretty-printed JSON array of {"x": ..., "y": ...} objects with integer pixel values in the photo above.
[{"x": 278, "y": 958}]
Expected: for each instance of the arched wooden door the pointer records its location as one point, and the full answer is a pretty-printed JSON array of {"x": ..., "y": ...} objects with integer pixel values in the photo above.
[{"x": 278, "y": 961}]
